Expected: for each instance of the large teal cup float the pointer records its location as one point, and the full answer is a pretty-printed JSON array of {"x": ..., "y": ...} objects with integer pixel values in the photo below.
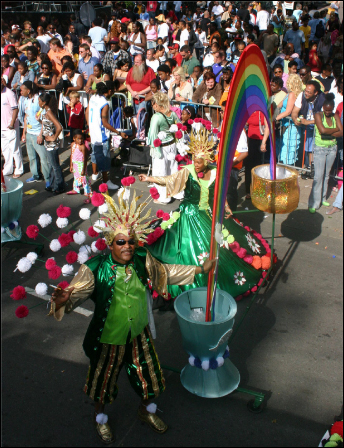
[
  {"x": 11, "y": 207},
  {"x": 209, "y": 372}
]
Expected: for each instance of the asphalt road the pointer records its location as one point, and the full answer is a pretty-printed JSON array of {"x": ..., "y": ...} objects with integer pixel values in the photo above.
[{"x": 289, "y": 347}]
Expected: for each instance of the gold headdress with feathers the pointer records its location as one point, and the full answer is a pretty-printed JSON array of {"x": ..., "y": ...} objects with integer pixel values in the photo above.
[
  {"x": 201, "y": 145},
  {"x": 126, "y": 218}
]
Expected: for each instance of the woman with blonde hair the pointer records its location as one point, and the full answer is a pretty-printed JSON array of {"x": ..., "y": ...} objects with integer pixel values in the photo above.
[
  {"x": 180, "y": 90},
  {"x": 288, "y": 144},
  {"x": 162, "y": 143}
]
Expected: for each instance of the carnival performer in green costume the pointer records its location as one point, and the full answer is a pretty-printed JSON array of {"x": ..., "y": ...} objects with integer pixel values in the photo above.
[
  {"x": 119, "y": 333},
  {"x": 244, "y": 256}
]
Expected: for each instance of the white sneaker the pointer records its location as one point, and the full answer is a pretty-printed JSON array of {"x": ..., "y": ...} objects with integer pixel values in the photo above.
[
  {"x": 111, "y": 186},
  {"x": 96, "y": 176}
]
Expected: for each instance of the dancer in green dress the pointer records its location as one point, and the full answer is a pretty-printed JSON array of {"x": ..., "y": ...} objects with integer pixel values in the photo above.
[{"x": 244, "y": 254}]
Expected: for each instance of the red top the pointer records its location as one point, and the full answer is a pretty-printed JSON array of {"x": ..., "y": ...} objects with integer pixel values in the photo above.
[
  {"x": 151, "y": 6},
  {"x": 143, "y": 84},
  {"x": 179, "y": 59},
  {"x": 339, "y": 110},
  {"x": 314, "y": 62},
  {"x": 253, "y": 125},
  {"x": 172, "y": 16},
  {"x": 76, "y": 116}
]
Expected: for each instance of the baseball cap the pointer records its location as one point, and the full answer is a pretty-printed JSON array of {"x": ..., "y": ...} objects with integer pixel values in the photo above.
[
  {"x": 125, "y": 19},
  {"x": 174, "y": 47}
]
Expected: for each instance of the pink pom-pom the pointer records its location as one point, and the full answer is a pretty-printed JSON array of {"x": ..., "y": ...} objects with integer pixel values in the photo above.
[
  {"x": 242, "y": 252},
  {"x": 71, "y": 233},
  {"x": 159, "y": 232},
  {"x": 184, "y": 128},
  {"x": 32, "y": 231},
  {"x": 65, "y": 239},
  {"x": 91, "y": 232},
  {"x": 157, "y": 142},
  {"x": 154, "y": 193},
  {"x": 103, "y": 188},
  {"x": 155, "y": 295},
  {"x": 238, "y": 298},
  {"x": 22, "y": 311},
  {"x": 247, "y": 293},
  {"x": 169, "y": 297},
  {"x": 160, "y": 213},
  {"x": 165, "y": 216},
  {"x": 179, "y": 125},
  {"x": 215, "y": 131},
  {"x": 63, "y": 212},
  {"x": 100, "y": 244},
  {"x": 97, "y": 199},
  {"x": 179, "y": 158},
  {"x": 264, "y": 274},
  {"x": 179, "y": 134},
  {"x": 125, "y": 182},
  {"x": 248, "y": 259},
  {"x": 190, "y": 121},
  {"x": 55, "y": 272},
  {"x": 71, "y": 257},
  {"x": 18, "y": 293},
  {"x": 198, "y": 120},
  {"x": 50, "y": 263},
  {"x": 180, "y": 167},
  {"x": 200, "y": 175},
  {"x": 254, "y": 289},
  {"x": 266, "y": 262},
  {"x": 260, "y": 282},
  {"x": 235, "y": 247},
  {"x": 219, "y": 135},
  {"x": 63, "y": 285},
  {"x": 208, "y": 127},
  {"x": 131, "y": 180},
  {"x": 151, "y": 238},
  {"x": 247, "y": 228}
]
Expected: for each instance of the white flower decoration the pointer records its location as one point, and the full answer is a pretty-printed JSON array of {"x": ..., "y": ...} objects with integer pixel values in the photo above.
[
  {"x": 173, "y": 128},
  {"x": 41, "y": 289},
  {"x": 202, "y": 257},
  {"x": 62, "y": 222},
  {"x": 82, "y": 257},
  {"x": 97, "y": 224},
  {"x": 94, "y": 249},
  {"x": 103, "y": 208},
  {"x": 67, "y": 269},
  {"x": 32, "y": 256},
  {"x": 255, "y": 247},
  {"x": 44, "y": 220},
  {"x": 85, "y": 213},
  {"x": 239, "y": 278},
  {"x": 162, "y": 135},
  {"x": 79, "y": 237},
  {"x": 85, "y": 248},
  {"x": 126, "y": 195},
  {"x": 55, "y": 245},
  {"x": 23, "y": 265}
]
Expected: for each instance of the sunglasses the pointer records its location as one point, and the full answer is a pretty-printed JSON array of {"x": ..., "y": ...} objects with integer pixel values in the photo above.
[{"x": 124, "y": 242}]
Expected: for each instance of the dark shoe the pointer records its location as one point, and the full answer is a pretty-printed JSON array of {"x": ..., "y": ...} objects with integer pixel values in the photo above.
[
  {"x": 56, "y": 192},
  {"x": 48, "y": 189},
  {"x": 153, "y": 421},
  {"x": 104, "y": 432}
]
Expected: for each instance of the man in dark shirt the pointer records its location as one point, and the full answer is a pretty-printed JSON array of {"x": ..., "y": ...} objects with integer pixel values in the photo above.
[
  {"x": 205, "y": 22},
  {"x": 74, "y": 37},
  {"x": 243, "y": 13},
  {"x": 79, "y": 27},
  {"x": 325, "y": 77}
]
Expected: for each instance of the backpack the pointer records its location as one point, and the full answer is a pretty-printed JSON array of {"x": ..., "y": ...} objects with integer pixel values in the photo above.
[{"x": 320, "y": 30}]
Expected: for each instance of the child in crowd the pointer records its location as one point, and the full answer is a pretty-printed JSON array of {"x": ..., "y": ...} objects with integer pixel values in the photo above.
[
  {"x": 78, "y": 166},
  {"x": 128, "y": 113},
  {"x": 76, "y": 113}
]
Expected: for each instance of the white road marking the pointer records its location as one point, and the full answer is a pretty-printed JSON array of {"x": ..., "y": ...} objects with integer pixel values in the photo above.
[{"x": 78, "y": 309}]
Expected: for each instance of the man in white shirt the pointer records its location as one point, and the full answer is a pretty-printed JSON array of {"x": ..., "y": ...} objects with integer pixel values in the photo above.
[
  {"x": 98, "y": 36},
  {"x": 263, "y": 19},
  {"x": 217, "y": 11},
  {"x": 163, "y": 29},
  {"x": 43, "y": 39},
  {"x": 184, "y": 35},
  {"x": 151, "y": 61}
]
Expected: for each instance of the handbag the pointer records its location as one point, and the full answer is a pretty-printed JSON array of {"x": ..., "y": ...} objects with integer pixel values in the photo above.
[{"x": 140, "y": 154}]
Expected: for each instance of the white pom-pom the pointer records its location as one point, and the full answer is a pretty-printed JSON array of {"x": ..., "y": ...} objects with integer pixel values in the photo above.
[
  {"x": 41, "y": 289},
  {"x": 220, "y": 361},
  {"x": 191, "y": 360},
  {"x": 79, "y": 237},
  {"x": 103, "y": 208},
  {"x": 82, "y": 257},
  {"x": 62, "y": 222},
  {"x": 32, "y": 256},
  {"x": 16, "y": 223},
  {"x": 3, "y": 229},
  {"x": 67, "y": 269},
  {"x": 205, "y": 365},
  {"x": 85, "y": 213},
  {"x": 24, "y": 264},
  {"x": 102, "y": 419},
  {"x": 151, "y": 408},
  {"x": 162, "y": 135},
  {"x": 85, "y": 248},
  {"x": 126, "y": 195},
  {"x": 94, "y": 249},
  {"x": 227, "y": 348},
  {"x": 44, "y": 220},
  {"x": 55, "y": 245},
  {"x": 97, "y": 224},
  {"x": 173, "y": 128}
]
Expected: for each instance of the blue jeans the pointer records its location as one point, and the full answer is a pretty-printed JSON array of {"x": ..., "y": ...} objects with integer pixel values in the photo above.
[
  {"x": 339, "y": 199},
  {"x": 33, "y": 148},
  {"x": 309, "y": 143},
  {"x": 101, "y": 156},
  {"x": 323, "y": 161},
  {"x": 56, "y": 176}
]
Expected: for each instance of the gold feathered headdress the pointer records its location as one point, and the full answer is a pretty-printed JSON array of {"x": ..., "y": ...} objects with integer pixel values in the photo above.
[
  {"x": 126, "y": 218},
  {"x": 201, "y": 145}
]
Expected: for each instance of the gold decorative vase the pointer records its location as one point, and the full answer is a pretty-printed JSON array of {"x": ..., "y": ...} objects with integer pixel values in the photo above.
[{"x": 275, "y": 196}]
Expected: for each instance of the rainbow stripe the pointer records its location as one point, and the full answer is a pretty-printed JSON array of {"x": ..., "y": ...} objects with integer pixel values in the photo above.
[{"x": 249, "y": 92}]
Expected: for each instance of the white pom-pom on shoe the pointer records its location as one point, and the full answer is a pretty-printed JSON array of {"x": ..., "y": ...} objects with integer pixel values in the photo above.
[
  {"x": 151, "y": 408},
  {"x": 102, "y": 418}
]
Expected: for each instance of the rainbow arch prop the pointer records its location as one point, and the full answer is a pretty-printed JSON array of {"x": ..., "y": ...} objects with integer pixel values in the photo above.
[{"x": 249, "y": 92}]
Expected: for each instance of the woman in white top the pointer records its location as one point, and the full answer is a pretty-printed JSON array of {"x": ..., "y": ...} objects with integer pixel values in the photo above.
[
  {"x": 337, "y": 91},
  {"x": 77, "y": 81},
  {"x": 180, "y": 89},
  {"x": 137, "y": 40}
]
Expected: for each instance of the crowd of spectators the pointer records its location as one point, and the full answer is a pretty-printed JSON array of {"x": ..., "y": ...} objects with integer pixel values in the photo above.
[{"x": 188, "y": 50}]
